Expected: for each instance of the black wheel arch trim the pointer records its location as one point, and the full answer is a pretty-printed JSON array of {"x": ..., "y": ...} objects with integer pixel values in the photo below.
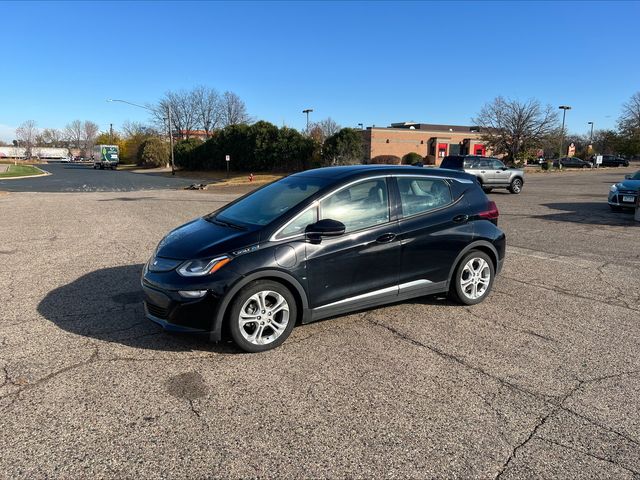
[
  {"x": 467, "y": 249},
  {"x": 215, "y": 333}
]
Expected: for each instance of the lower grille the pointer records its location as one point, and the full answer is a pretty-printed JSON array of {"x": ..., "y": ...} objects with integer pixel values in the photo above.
[{"x": 157, "y": 311}]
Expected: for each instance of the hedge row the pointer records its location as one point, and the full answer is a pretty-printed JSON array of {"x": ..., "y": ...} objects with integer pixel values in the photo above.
[{"x": 258, "y": 147}]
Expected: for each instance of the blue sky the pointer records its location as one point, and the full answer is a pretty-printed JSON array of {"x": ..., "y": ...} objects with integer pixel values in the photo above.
[{"x": 357, "y": 62}]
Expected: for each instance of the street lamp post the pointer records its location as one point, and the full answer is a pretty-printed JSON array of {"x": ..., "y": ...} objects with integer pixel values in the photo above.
[
  {"x": 173, "y": 164},
  {"x": 564, "y": 109},
  {"x": 307, "y": 111},
  {"x": 361, "y": 126}
]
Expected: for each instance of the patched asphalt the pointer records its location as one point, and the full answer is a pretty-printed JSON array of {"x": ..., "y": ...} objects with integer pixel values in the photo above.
[{"x": 540, "y": 380}]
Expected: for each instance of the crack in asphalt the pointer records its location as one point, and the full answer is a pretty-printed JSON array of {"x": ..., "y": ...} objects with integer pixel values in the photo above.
[
  {"x": 589, "y": 454},
  {"x": 564, "y": 291},
  {"x": 508, "y": 327},
  {"x": 557, "y": 402}
]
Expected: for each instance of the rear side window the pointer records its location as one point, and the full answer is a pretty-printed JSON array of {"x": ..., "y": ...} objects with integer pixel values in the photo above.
[
  {"x": 452, "y": 163},
  {"x": 419, "y": 194}
]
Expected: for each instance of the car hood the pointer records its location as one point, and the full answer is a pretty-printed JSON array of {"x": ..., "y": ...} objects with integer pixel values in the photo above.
[
  {"x": 201, "y": 239},
  {"x": 629, "y": 185}
]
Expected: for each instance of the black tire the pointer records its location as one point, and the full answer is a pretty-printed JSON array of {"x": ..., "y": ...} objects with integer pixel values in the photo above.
[
  {"x": 487, "y": 189},
  {"x": 101, "y": 167},
  {"x": 457, "y": 290},
  {"x": 516, "y": 186},
  {"x": 244, "y": 300}
]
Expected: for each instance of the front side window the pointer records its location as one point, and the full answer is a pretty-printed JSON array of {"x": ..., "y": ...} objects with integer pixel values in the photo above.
[
  {"x": 299, "y": 223},
  {"x": 359, "y": 206},
  {"x": 419, "y": 195},
  {"x": 497, "y": 164},
  {"x": 272, "y": 201}
]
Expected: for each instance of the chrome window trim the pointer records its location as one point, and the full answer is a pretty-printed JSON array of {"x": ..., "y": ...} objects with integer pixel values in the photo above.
[{"x": 316, "y": 203}]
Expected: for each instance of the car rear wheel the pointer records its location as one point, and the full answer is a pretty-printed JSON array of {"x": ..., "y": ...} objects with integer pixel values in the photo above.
[
  {"x": 487, "y": 189},
  {"x": 472, "y": 279},
  {"x": 516, "y": 186},
  {"x": 262, "y": 316}
]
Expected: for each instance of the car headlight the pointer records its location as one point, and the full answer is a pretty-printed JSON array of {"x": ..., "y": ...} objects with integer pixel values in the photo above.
[
  {"x": 613, "y": 188},
  {"x": 200, "y": 268}
]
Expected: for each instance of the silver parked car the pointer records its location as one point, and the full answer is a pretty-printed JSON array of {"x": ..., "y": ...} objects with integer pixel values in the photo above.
[{"x": 491, "y": 172}]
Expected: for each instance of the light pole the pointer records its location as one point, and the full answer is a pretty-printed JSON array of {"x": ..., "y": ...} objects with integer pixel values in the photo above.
[
  {"x": 173, "y": 165},
  {"x": 590, "y": 135},
  {"x": 361, "y": 126},
  {"x": 307, "y": 111},
  {"x": 564, "y": 109}
]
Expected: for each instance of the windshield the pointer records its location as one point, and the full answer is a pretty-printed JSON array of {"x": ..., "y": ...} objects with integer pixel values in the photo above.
[
  {"x": 268, "y": 203},
  {"x": 636, "y": 176}
]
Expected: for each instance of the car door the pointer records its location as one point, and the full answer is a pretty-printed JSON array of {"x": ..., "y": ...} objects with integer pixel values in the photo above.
[
  {"x": 433, "y": 230},
  {"x": 360, "y": 266},
  {"x": 500, "y": 174}
]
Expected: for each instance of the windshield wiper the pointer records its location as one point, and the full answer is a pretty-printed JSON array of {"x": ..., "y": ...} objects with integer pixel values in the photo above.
[{"x": 225, "y": 223}]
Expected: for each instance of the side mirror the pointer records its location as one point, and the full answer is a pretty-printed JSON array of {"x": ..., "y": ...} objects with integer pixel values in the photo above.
[
  {"x": 627, "y": 176},
  {"x": 325, "y": 228}
]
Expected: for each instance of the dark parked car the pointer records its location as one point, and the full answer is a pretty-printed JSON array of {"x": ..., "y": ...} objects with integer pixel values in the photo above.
[
  {"x": 490, "y": 172},
  {"x": 323, "y": 243},
  {"x": 571, "y": 162},
  {"x": 612, "y": 161},
  {"x": 624, "y": 194}
]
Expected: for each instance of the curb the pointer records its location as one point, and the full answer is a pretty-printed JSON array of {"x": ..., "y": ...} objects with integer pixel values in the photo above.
[{"x": 43, "y": 174}]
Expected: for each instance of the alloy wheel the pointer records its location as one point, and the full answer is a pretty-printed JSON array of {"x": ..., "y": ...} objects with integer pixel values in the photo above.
[
  {"x": 475, "y": 278},
  {"x": 264, "y": 316}
]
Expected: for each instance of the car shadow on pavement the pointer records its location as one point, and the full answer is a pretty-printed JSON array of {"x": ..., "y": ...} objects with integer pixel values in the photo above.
[
  {"x": 588, "y": 213},
  {"x": 107, "y": 305}
]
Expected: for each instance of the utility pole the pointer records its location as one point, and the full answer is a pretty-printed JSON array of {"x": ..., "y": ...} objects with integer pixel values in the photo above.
[
  {"x": 564, "y": 109},
  {"x": 307, "y": 111},
  {"x": 590, "y": 135},
  {"x": 173, "y": 165},
  {"x": 111, "y": 134}
]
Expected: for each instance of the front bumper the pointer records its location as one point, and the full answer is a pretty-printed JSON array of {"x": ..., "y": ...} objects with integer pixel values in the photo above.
[
  {"x": 177, "y": 314},
  {"x": 616, "y": 199}
]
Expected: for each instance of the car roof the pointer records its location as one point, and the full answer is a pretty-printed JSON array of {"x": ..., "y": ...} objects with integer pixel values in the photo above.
[{"x": 355, "y": 171}]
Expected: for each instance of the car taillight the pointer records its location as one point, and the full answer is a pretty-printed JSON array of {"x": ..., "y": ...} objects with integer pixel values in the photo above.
[{"x": 491, "y": 213}]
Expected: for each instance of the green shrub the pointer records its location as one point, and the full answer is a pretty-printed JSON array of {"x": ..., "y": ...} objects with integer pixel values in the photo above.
[
  {"x": 411, "y": 158},
  {"x": 153, "y": 152},
  {"x": 184, "y": 153},
  {"x": 386, "y": 160}
]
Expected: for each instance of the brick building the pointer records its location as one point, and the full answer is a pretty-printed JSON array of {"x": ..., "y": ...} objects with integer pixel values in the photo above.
[{"x": 433, "y": 142}]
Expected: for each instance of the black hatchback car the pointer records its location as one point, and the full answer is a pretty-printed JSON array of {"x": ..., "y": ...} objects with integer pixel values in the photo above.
[{"x": 322, "y": 243}]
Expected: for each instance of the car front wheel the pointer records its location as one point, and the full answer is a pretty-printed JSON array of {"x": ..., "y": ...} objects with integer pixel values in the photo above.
[
  {"x": 473, "y": 278},
  {"x": 516, "y": 186},
  {"x": 262, "y": 316}
]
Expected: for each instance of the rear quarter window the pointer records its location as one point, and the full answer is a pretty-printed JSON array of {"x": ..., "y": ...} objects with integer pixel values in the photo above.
[{"x": 452, "y": 163}]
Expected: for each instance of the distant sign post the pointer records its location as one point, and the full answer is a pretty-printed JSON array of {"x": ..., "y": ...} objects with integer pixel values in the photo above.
[
  {"x": 598, "y": 160},
  {"x": 228, "y": 159}
]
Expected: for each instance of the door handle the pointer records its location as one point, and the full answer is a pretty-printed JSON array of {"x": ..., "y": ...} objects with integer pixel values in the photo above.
[
  {"x": 460, "y": 218},
  {"x": 482, "y": 171},
  {"x": 386, "y": 238}
]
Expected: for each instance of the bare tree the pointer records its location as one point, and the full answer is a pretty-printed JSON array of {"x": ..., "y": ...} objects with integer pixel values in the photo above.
[
  {"x": 184, "y": 115},
  {"x": 512, "y": 127},
  {"x": 629, "y": 120},
  {"x": 26, "y": 135},
  {"x": 133, "y": 129},
  {"x": 73, "y": 131},
  {"x": 208, "y": 108},
  {"x": 52, "y": 137},
  {"x": 323, "y": 129},
  {"x": 233, "y": 109},
  {"x": 90, "y": 132}
]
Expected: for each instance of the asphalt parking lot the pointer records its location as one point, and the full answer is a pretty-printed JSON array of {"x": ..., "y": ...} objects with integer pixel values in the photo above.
[
  {"x": 77, "y": 177},
  {"x": 541, "y": 380}
]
